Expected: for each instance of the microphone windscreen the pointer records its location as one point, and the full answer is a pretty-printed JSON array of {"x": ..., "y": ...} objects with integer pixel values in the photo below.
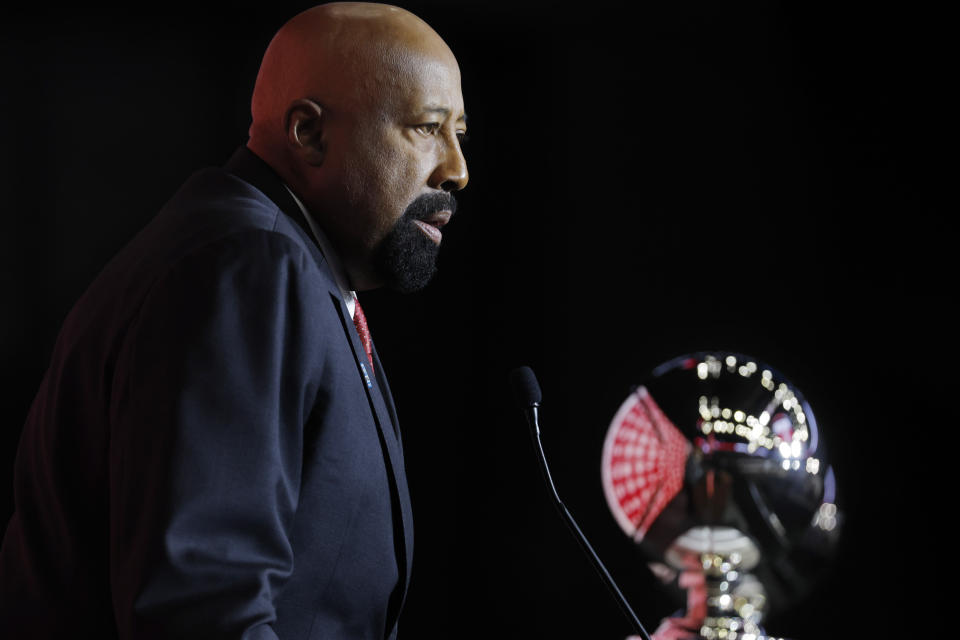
[{"x": 526, "y": 389}]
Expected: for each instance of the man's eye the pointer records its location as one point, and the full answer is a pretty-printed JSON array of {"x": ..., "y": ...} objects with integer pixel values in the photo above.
[
  {"x": 462, "y": 136},
  {"x": 429, "y": 128}
]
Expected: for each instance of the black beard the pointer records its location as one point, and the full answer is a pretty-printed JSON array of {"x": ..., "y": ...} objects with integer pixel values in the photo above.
[{"x": 407, "y": 258}]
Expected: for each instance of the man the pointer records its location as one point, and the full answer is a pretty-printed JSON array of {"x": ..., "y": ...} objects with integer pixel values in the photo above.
[{"x": 213, "y": 452}]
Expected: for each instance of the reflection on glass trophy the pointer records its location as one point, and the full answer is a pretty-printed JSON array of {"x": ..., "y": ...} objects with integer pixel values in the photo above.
[{"x": 715, "y": 467}]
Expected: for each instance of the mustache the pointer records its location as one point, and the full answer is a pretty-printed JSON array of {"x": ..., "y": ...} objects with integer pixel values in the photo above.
[{"x": 423, "y": 207}]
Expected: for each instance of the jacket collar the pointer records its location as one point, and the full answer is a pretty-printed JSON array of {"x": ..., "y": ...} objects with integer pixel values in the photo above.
[{"x": 252, "y": 169}]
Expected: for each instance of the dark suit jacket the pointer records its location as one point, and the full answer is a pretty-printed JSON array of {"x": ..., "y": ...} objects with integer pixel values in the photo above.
[{"x": 209, "y": 454}]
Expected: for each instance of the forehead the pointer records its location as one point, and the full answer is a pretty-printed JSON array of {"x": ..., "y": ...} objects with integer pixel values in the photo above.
[{"x": 415, "y": 80}]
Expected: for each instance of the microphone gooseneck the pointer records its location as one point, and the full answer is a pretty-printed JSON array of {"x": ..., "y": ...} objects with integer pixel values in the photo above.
[{"x": 526, "y": 391}]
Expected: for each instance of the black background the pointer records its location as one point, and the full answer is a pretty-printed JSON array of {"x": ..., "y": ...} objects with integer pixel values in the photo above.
[{"x": 767, "y": 178}]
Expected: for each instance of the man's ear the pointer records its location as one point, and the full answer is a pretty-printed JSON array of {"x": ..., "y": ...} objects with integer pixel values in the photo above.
[{"x": 303, "y": 122}]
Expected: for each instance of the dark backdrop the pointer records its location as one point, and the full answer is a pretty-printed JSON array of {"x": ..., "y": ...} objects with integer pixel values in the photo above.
[{"x": 767, "y": 178}]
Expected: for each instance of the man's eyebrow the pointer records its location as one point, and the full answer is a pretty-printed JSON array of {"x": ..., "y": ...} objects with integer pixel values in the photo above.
[{"x": 446, "y": 113}]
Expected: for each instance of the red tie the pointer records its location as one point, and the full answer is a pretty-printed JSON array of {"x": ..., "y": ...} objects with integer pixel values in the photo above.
[{"x": 360, "y": 322}]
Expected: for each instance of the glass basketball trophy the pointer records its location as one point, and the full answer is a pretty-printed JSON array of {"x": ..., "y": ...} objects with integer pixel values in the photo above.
[{"x": 715, "y": 468}]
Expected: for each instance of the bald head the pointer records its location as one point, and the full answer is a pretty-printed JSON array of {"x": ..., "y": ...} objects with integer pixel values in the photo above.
[
  {"x": 358, "y": 109},
  {"x": 343, "y": 55}
]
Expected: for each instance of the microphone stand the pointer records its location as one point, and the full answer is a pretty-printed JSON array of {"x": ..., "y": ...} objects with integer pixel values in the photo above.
[{"x": 532, "y": 420}]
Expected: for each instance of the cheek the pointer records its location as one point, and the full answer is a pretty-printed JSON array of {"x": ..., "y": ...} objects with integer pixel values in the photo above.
[
  {"x": 387, "y": 169},
  {"x": 394, "y": 182},
  {"x": 380, "y": 182}
]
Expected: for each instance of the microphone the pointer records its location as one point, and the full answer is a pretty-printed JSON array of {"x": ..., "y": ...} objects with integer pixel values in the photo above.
[{"x": 526, "y": 391}]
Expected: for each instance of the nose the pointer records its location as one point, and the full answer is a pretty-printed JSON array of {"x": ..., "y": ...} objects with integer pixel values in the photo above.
[{"x": 451, "y": 172}]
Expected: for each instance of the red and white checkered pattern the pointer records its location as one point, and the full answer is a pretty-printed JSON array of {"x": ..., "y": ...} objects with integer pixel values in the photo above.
[{"x": 644, "y": 457}]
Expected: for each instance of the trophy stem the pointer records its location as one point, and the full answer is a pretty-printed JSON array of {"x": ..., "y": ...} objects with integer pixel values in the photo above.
[{"x": 736, "y": 601}]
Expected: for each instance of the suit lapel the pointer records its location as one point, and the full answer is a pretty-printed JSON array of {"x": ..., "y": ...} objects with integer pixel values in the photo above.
[
  {"x": 385, "y": 419},
  {"x": 388, "y": 396},
  {"x": 406, "y": 510}
]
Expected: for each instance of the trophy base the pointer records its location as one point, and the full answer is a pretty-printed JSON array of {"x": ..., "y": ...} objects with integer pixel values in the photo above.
[{"x": 735, "y": 635}]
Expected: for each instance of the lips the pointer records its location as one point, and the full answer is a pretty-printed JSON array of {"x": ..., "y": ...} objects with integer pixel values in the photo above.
[{"x": 432, "y": 224}]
